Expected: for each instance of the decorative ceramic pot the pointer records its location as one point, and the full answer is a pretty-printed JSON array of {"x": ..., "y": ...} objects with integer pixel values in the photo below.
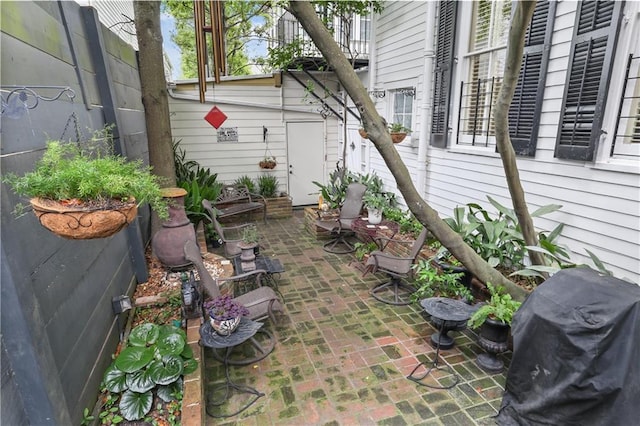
[
  {"x": 168, "y": 242},
  {"x": 79, "y": 222},
  {"x": 225, "y": 327}
]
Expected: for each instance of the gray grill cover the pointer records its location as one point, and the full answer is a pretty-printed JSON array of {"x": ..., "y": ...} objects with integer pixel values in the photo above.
[{"x": 576, "y": 358}]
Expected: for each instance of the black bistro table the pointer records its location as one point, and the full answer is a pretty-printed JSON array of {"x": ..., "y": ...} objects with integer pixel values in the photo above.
[
  {"x": 447, "y": 315},
  {"x": 245, "y": 332}
]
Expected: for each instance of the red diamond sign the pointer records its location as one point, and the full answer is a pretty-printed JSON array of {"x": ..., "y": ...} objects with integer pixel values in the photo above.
[{"x": 215, "y": 117}]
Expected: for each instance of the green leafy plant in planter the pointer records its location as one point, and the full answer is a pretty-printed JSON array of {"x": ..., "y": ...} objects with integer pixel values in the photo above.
[
  {"x": 500, "y": 307},
  {"x": 334, "y": 192},
  {"x": 151, "y": 365},
  {"x": 250, "y": 235},
  {"x": 268, "y": 186},
  {"x": 398, "y": 132},
  {"x": 91, "y": 179}
]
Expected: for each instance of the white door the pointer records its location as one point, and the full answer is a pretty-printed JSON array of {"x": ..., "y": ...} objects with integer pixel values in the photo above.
[
  {"x": 305, "y": 145},
  {"x": 354, "y": 151}
]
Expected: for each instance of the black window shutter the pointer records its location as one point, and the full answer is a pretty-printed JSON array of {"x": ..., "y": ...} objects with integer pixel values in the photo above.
[
  {"x": 592, "y": 50},
  {"x": 443, "y": 72},
  {"x": 524, "y": 113}
]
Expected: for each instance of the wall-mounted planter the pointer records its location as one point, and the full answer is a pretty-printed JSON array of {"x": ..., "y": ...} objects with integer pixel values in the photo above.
[{"x": 398, "y": 137}]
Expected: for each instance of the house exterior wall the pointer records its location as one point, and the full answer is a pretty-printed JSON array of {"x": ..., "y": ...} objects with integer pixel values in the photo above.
[
  {"x": 600, "y": 198},
  {"x": 58, "y": 327},
  {"x": 249, "y": 105}
]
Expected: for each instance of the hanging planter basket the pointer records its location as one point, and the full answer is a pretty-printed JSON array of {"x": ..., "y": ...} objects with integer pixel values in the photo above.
[
  {"x": 82, "y": 222},
  {"x": 398, "y": 137},
  {"x": 363, "y": 133},
  {"x": 267, "y": 164}
]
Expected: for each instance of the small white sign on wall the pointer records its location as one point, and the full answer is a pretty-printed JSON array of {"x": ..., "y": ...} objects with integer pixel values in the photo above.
[{"x": 228, "y": 134}]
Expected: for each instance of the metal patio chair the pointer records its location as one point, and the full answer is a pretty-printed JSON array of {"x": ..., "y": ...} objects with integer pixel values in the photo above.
[
  {"x": 262, "y": 302},
  {"x": 396, "y": 291},
  {"x": 340, "y": 227},
  {"x": 230, "y": 235}
]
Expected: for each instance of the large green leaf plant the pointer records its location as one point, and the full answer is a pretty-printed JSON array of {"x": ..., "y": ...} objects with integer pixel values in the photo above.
[{"x": 154, "y": 361}]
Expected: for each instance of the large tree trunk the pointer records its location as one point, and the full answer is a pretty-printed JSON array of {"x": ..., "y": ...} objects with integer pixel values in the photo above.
[
  {"x": 378, "y": 134},
  {"x": 515, "y": 46},
  {"x": 154, "y": 92}
]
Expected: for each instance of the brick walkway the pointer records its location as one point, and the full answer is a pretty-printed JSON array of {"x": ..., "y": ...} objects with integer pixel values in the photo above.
[{"x": 342, "y": 357}]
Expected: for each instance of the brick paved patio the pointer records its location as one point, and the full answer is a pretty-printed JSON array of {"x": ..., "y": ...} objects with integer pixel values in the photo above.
[{"x": 342, "y": 358}]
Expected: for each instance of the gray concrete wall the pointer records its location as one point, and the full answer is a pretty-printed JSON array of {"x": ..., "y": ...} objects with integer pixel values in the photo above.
[{"x": 58, "y": 328}]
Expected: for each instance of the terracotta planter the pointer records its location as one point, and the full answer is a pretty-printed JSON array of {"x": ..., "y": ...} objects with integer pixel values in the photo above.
[
  {"x": 398, "y": 137},
  {"x": 363, "y": 133},
  {"x": 82, "y": 223},
  {"x": 168, "y": 242}
]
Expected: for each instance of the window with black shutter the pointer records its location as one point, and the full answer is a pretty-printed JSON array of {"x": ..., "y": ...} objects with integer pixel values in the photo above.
[
  {"x": 591, "y": 59},
  {"x": 443, "y": 72},
  {"x": 524, "y": 113}
]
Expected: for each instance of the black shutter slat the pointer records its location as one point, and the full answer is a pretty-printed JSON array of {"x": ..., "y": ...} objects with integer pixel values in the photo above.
[
  {"x": 524, "y": 112},
  {"x": 443, "y": 72},
  {"x": 588, "y": 79}
]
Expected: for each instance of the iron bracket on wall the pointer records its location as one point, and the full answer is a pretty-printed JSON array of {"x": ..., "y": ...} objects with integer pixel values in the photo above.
[{"x": 30, "y": 97}]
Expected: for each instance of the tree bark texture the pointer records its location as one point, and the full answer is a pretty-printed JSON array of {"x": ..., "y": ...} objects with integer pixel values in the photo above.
[
  {"x": 515, "y": 46},
  {"x": 375, "y": 126},
  {"x": 154, "y": 94},
  {"x": 154, "y": 89}
]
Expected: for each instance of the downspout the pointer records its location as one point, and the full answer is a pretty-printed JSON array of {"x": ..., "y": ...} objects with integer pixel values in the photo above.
[{"x": 427, "y": 93}]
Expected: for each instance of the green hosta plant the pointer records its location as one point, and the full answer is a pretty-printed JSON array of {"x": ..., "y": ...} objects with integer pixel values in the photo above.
[
  {"x": 500, "y": 307},
  {"x": 154, "y": 362}
]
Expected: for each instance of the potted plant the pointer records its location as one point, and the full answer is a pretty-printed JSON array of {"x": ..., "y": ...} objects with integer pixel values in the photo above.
[
  {"x": 494, "y": 320},
  {"x": 84, "y": 191},
  {"x": 363, "y": 133},
  {"x": 225, "y": 313},
  {"x": 398, "y": 132},
  {"x": 248, "y": 247},
  {"x": 268, "y": 162},
  {"x": 375, "y": 202}
]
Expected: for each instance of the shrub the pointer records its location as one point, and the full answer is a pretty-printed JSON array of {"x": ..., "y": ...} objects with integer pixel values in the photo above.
[{"x": 246, "y": 181}]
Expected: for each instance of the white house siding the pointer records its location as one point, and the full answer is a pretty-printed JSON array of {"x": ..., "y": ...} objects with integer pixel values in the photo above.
[
  {"x": 117, "y": 15},
  {"x": 247, "y": 107},
  {"x": 399, "y": 44},
  {"x": 601, "y": 206}
]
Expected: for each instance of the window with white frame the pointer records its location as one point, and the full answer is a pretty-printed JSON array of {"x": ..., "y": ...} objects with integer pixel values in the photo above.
[
  {"x": 403, "y": 107},
  {"x": 485, "y": 59}
]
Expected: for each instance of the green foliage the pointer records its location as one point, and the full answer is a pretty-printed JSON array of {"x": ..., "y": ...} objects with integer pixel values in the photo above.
[
  {"x": 250, "y": 234},
  {"x": 334, "y": 192},
  {"x": 433, "y": 282},
  {"x": 501, "y": 307},
  {"x": 154, "y": 361},
  {"x": 240, "y": 19},
  {"x": 87, "y": 417},
  {"x": 406, "y": 220},
  {"x": 268, "y": 186},
  {"x": 199, "y": 183},
  {"x": 245, "y": 180},
  {"x": 364, "y": 248},
  {"x": 497, "y": 238},
  {"x": 376, "y": 200},
  {"x": 90, "y": 171},
  {"x": 398, "y": 128}
]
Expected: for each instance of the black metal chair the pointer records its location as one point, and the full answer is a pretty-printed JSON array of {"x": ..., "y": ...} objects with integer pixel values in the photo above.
[
  {"x": 340, "y": 227},
  {"x": 396, "y": 291}
]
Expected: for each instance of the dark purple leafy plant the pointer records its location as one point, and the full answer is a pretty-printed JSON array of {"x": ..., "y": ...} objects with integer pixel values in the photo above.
[{"x": 224, "y": 308}]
